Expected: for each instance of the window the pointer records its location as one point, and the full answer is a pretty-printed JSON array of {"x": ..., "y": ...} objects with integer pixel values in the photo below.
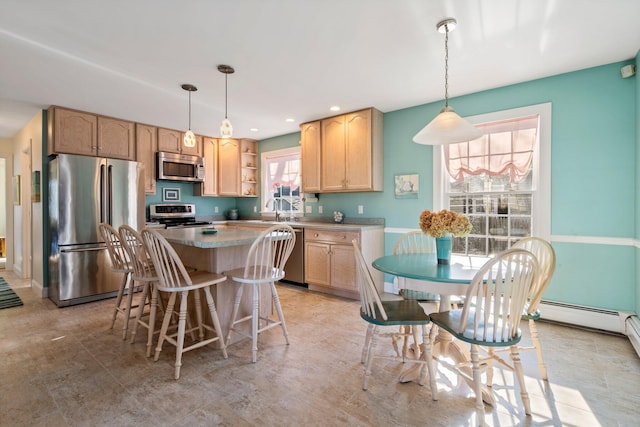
[
  {"x": 281, "y": 181},
  {"x": 501, "y": 180}
]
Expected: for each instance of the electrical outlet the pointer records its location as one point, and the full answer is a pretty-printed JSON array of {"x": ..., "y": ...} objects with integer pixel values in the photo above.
[
  {"x": 360, "y": 209},
  {"x": 320, "y": 209},
  {"x": 215, "y": 209},
  {"x": 255, "y": 209},
  {"x": 308, "y": 209}
]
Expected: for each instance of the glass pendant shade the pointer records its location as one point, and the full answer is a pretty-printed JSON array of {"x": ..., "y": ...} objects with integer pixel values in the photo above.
[
  {"x": 226, "y": 130},
  {"x": 447, "y": 128},
  {"x": 189, "y": 139}
]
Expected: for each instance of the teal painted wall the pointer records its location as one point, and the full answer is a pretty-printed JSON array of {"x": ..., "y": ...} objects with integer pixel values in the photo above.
[
  {"x": 593, "y": 171},
  {"x": 637, "y": 218}
]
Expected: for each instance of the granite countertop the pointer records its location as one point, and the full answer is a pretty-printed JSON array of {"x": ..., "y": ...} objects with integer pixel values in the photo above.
[
  {"x": 313, "y": 224},
  {"x": 224, "y": 237}
]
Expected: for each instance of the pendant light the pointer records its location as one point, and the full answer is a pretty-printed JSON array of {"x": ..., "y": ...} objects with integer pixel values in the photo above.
[
  {"x": 189, "y": 139},
  {"x": 447, "y": 127},
  {"x": 226, "y": 130}
]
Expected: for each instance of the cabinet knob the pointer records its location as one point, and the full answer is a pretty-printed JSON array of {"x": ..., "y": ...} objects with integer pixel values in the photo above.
[{"x": 315, "y": 234}]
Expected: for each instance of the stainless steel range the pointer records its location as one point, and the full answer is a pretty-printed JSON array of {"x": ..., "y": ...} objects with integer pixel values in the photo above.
[{"x": 175, "y": 215}]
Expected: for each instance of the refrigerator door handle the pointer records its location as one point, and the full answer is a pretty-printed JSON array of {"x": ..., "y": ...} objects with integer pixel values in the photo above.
[
  {"x": 99, "y": 248},
  {"x": 102, "y": 201},
  {"x": 110, "y": 194}
]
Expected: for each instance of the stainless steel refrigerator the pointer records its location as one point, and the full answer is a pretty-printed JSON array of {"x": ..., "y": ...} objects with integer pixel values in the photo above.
[{"x": 83, "y": 192}]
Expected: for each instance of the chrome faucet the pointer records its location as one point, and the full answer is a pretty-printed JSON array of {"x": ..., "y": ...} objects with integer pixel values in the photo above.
[{"x": 276, "y": 207}]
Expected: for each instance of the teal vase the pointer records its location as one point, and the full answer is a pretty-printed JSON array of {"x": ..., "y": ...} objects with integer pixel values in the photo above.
[{"x": 443, "y": 249}]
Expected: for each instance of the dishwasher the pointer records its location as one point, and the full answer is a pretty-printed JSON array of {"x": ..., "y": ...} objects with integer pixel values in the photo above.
[{"x": 294, "y": 269}]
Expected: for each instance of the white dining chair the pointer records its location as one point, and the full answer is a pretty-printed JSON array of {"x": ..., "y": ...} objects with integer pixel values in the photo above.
[
  {"x": 546, "y": 257},
  {"x": 264, "y": 266},
  {"x": 413, "y": 242},
  {"x": 491, "y": 316},
  {"x": 379, "y": 313},
  {"x": 174, "y": 279}
]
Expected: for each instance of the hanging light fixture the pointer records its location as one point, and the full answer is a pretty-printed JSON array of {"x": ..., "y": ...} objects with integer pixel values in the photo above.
[
  {"x": 189, "y": 139},
  {"x": 226, "y": 130},
  {"x": 447, "y": 127}
]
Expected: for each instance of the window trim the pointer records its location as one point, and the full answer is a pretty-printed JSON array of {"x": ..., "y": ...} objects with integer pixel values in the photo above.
[
  {"x": 264, "y": 156},
  {"x": 541, "y": 198}
]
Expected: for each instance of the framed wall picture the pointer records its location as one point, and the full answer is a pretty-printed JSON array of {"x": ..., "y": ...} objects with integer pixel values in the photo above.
[
  {"x": 16, "y": 190},
  {"x": 35, "y": 186},
  {"x": 407, "y": 186},
  {"x": 170, "y": 194}
]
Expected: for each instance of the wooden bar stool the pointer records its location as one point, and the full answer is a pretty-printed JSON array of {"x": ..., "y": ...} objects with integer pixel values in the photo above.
[
  {"x": 264, "y": 266},
  {"x": 175, "y": 280},
  {"x": 120, "y": 263}
]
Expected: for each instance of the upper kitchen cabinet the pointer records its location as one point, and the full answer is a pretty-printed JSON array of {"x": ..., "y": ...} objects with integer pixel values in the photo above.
[
  {"x": 229, "y": 168},
  {"x": 116, "y": 138},
  {"x": 170, "y": 140},
  {"x": 78, "y": 132},
  {"x": 72, "y": 132},
  {"x": 237, "y": 167},
  {"x": 210, "y": 185},
  {"x": 146, "y": 147},
  {"x": 310, "y": 156},
  {"x": 351, "y": 152}
]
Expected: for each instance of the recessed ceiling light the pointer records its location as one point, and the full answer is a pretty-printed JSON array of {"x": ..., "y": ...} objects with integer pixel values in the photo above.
[
  {"x": 334, "y": 108},
  {"x": 290, "y": 120},
  {"x": 254, "y": 129}
]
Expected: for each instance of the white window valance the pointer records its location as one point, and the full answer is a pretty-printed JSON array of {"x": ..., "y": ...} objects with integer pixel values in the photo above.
[{"x": 506, "y": 147}]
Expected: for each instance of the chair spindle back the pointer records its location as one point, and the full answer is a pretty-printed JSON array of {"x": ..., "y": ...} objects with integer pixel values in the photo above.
[
  {"x": 269, "y": 253},
  {"x": 369, "y": 297},
  {"x": 120, "y": 261},
  {"x": 497, "y": 294},
  {"x": 546, "y": 257},
  {"x": 171, "y": 272}
]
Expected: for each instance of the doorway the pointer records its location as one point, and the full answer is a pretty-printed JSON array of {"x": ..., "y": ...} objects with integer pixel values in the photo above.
[{"x": 3, "y": 214}]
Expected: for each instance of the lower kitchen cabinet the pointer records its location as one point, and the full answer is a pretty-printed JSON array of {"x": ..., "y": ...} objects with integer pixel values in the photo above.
[{"x": 330, "y": 264}]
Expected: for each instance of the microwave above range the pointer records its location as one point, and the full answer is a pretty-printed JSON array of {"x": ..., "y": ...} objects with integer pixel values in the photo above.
[{"x": 180, "y": 167}]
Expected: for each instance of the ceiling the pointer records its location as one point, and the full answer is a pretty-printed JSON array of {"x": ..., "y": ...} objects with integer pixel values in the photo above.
[{"x": 293, "y": 58}]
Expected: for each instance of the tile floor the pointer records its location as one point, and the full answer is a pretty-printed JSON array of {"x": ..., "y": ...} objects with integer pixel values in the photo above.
[{"x": 65, "y": 367}]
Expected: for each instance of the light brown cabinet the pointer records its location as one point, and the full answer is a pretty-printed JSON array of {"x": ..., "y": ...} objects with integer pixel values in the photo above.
[
  {"x": 310, "y": 156},
  {"x": 330, "y": 262},
  {"x": 146, "y": 147},
  {"x": 210, "y": 185},
  {"x": 170, "y": 140},
  {"x": 329, "y": 259},
  {"x": 78, "y": 132},
  {"x": 72, "y": 132},
  {"x": 116, "y": 138},
  {"x": 237, "y": 168},
  {"x": 229, "y": 167},
  {"x": 343, "y": 153}
]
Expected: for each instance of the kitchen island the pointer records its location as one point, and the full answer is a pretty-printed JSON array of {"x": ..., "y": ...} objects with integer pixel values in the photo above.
[{"x": 222, "y": 251}]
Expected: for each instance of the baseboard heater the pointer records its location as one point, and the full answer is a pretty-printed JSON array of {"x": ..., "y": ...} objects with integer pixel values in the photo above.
[
  {"x": 579, "y": 315},
  {"x": 633, "y": 332}
]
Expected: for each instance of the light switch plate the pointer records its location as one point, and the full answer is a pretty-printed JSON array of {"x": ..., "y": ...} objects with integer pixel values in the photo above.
[
  {"x": 320, "y": 209},
  {"x": 307, "y": 209},
  {"x": 360, "y": 209},
  {"x": 215, "y": 209}
]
